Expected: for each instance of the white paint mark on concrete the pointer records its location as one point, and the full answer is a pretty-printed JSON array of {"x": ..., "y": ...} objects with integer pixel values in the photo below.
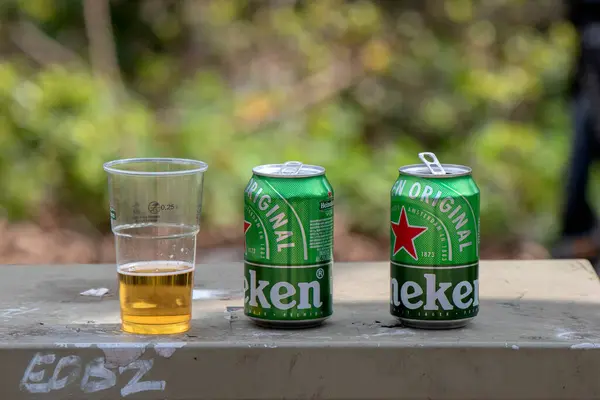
[
  {"x": 514, "y": 347},
  {"x": 124, "y": 345},
  {"x": 42, "y": 375},
  {"x": 122, "y": 354},
  {"x": 13, "y": 312},
  {"x": 394, "y": 332},
  {"x": 207, "y": 294},
  {"x": 97, "y": 377},
  {"x": 72, "y": 366},
  {"x": 562, "y": 334},
  {"x": 99, "y": 292},
  {"x": 569, "y": 335},
  {"x": 74, "y": 345},
  {"x": 166, "y": 350},
  {"x": 135, "y": 385},
  {"x": 255, "y": 345},
  {"x": 267, "y": 334},
  {"x": 32, "y": 380},
  {"x": 586, "y": 346}
]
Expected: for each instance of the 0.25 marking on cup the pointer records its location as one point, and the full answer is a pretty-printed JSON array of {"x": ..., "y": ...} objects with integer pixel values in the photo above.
[{"x": 154, "y": 207}]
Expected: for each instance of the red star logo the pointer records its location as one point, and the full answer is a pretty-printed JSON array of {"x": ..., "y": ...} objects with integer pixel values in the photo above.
[
  {"x": 247, "y": 226},
  {"x": 405, "y": 235}
]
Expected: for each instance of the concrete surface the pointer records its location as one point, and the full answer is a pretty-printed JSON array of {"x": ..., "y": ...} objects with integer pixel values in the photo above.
[{"x": 537, "y": 337}]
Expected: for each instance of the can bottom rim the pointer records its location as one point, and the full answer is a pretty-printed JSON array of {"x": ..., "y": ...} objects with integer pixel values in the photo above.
[
  {"x": 421, "y": 324},
  {"x": 306, "y": 323}
]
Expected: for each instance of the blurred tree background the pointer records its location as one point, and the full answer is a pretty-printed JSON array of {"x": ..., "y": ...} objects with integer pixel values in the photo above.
[{"x": 359, "y": 87}]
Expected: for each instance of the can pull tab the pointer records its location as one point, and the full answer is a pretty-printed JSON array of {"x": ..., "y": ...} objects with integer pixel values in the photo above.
[
  {"x": 290, "y": 168},
  {"x": 434, "y": 165}
]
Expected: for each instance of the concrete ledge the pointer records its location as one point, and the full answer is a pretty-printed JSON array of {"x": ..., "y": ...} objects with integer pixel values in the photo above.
[{"x": 537, "y": 337}]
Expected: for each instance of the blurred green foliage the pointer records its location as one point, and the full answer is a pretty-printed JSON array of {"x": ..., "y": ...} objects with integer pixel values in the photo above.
[{"x": 238, "y": 83}]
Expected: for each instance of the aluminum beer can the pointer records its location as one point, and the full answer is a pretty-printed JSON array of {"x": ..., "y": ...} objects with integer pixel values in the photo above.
[
  {"x": 434, "y": 245},
  {"x": 288, "y": 256}
]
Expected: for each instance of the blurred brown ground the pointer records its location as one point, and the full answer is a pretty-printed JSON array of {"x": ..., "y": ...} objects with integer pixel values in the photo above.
[{"x": 53, "y": 240}]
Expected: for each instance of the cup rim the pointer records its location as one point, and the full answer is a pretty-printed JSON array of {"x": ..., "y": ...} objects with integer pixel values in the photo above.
[{"x": 196, "y": 166}]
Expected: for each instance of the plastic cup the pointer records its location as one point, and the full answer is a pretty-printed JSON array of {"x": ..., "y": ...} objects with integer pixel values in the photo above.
[{"x": 155, "y": 206}]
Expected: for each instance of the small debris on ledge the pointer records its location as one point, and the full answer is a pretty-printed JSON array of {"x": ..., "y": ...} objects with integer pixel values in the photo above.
[{"x": 99, "y": 292}]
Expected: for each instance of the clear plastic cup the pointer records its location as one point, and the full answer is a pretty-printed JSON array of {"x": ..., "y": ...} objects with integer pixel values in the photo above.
[{"x": 155, "y": 206}]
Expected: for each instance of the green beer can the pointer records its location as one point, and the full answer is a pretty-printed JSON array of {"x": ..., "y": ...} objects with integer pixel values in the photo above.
[
  {"x": 434, "y": 245},
  {"x": 288, "y": 257}
]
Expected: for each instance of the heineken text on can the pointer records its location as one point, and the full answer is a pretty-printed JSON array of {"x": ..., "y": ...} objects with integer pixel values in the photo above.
[
  {"x": 288, "y": 227},
  {"x": 434, "y": 245}
]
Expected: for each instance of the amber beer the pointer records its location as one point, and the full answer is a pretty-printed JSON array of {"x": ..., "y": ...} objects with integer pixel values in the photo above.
[{"x": 156, "y": 297}]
